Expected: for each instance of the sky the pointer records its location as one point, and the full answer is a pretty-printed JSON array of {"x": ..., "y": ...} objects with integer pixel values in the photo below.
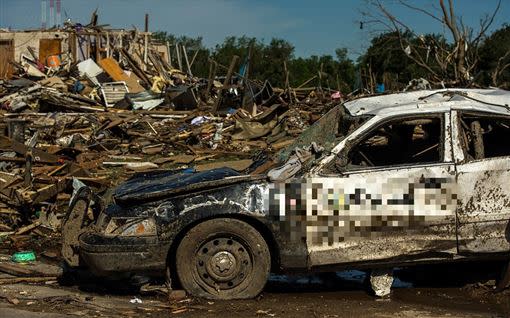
[{"x": 314, "y": 27}]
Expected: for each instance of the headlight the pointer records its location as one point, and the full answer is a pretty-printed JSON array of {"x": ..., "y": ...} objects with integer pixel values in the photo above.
[{"x": 131, "y": 227}]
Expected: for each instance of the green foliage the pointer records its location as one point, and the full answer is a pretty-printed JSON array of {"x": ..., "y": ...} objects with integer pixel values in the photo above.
[
  {"x": 193, "y": 45},
  {"x": 385, "y": 58},
  {"x": 492, "y": 56},
  {"x": 267, "y": 60},
  {"x": 388, "y": 61},
  {"x": 385, "y": 55},
  {"x": 336, "y": 73}
]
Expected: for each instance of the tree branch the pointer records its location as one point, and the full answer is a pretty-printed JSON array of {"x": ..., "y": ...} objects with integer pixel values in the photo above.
[
  {"x": 420, "y": 10},
  {"x": 500, "y": 68},
  {"x": 486, "y": 23},
  {"x": 450, "y": 23}
]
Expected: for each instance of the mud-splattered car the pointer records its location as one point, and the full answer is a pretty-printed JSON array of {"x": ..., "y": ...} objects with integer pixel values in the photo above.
[{"x": 399, "y": 179}]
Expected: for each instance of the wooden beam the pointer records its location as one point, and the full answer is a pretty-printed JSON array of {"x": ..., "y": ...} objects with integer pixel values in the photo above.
[
  {"x": 187, "y": 61},
  {"x": 226, "y": 83},
  {"x": 179, "y": 60},
  {"x": 210, "y": 80},
  {"x": 169, "y": 53}
]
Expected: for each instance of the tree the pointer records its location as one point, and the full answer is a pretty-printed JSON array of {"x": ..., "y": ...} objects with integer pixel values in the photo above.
[
  {"x": 458, "y": 60},
  {"x": 495, "y": 57},
  {"x": 194, "y": 48},
  {"x": 240, "y": 46},
  {"x": 386, "y": 56},
  {"x": 274, "y": 55},
  {"x": 267, "y": 60},
  {"x": 346, "y": 70}
]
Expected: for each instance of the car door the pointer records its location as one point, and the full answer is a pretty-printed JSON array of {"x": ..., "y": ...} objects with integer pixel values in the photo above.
[
  {"x": 483, "y": 167},
  {"x": 388, "y": 195}
]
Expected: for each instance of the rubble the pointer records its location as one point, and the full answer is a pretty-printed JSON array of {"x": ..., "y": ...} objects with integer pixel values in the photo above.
[{"x": 110, "y": 104}]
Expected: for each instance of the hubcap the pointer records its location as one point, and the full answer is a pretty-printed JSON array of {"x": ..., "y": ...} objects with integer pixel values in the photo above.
[{"x": 223, "y": 263}]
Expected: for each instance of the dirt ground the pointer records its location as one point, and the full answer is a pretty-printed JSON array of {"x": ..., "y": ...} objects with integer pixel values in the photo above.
[{"x": 456, "y": 290}]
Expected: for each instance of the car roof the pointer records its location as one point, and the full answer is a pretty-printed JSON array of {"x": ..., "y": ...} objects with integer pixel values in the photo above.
[{"x": 487, "y": 100}]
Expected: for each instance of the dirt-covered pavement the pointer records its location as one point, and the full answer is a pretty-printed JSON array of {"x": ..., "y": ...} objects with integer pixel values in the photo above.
[{"x": 457, "y": 290}]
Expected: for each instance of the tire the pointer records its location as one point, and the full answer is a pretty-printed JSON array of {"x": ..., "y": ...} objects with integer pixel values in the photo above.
[{"x": 223, "y": 259}]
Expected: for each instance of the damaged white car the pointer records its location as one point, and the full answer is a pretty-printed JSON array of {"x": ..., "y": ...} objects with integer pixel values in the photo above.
[{"x": 389, "y": 180}]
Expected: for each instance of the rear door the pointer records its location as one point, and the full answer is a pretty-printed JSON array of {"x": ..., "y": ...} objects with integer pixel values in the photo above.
[
  {"x": 389, "y": 195},
  {"x": 483, "y": 166}
]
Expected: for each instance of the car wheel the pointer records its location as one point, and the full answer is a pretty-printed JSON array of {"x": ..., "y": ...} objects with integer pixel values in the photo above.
[{"x": 223, "y": 259}]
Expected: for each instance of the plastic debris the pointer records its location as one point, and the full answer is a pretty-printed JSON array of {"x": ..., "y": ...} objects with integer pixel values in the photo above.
[
  {"x": 23, "y": 257},
  {"x": 136, "y": 300}
]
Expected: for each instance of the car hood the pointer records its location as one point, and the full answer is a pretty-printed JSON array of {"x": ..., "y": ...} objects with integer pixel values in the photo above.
[{"x": 154, "y": 186}]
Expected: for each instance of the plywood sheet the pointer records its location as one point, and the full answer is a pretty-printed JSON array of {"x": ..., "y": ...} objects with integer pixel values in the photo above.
[
  {"x": 6, "y": 56},
  {"x": 49, "y": 47},
  {"x": 112, "y": 68}
]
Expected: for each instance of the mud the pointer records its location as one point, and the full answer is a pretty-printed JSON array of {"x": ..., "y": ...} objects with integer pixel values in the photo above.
[{"x": 455, "y": 290}]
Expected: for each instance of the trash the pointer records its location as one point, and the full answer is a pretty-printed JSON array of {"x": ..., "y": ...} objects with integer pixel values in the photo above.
[
  {"x": 13, "y": 301},
  {"x": 295, "y": 162},
  {"x": 90, "y": 70},
  {"x": 136, "y": 300},
  {"x": 23, "y": 257},
  {"x": 217, "y": 134},
  {"x": 285, "y": 172},
  {"x": 132, "y": 165},
  {"x": 336, "y": 95},
  {"x": 407, "y": 50},
  {"x": 148, "y": 104},
  {"x": 381, "y": 281},
  {"x": 417, "y": 84},
  {"x": 199, "y": 120},
  {"x": 113, "y": 92},
  {"x": 176, "y": 295},
  {"x": 54, "y": 82},
  {"x": 261, "y": 312},
  {"x": 182, "y": 97},
  {"x": 78, "y": 87},
  {"x": 77, "y": 185}
]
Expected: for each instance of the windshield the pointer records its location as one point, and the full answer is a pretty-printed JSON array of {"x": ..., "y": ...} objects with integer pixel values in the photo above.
[{"x": 327, "y": 132}]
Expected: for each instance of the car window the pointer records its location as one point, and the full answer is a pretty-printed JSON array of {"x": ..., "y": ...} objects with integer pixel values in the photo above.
[
  {"x": 484, "y": 136},
  {"x": 398, "y": 142}
]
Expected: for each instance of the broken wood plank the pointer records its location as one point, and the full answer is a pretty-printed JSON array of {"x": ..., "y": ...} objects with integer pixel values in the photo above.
[
  {"x": 281, "y": 144},
  {"x": 238, "y": 165},
  {"x": 36, "y": 269},
  {"x": 16, "y": 280},
  {"x": 37, "y": 154},
  {"x": 48, "y": 192},
  {"x": 27, "y": 228},
  {"x": 226, "y": 82}
]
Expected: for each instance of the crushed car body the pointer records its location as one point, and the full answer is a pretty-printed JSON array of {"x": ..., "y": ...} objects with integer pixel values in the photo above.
[{"x": 403, "y": 178}]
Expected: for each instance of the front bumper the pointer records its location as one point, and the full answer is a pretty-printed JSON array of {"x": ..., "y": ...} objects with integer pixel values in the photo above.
[{"x": 107, "y": 256}]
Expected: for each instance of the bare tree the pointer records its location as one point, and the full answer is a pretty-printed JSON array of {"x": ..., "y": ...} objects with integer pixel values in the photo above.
[
  {"x": 501, "y": 66},
  {"x": 458, "y": 60}
]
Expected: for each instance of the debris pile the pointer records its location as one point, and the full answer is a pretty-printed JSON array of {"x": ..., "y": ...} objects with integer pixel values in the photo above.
[{"x": 112, "y": 106}]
